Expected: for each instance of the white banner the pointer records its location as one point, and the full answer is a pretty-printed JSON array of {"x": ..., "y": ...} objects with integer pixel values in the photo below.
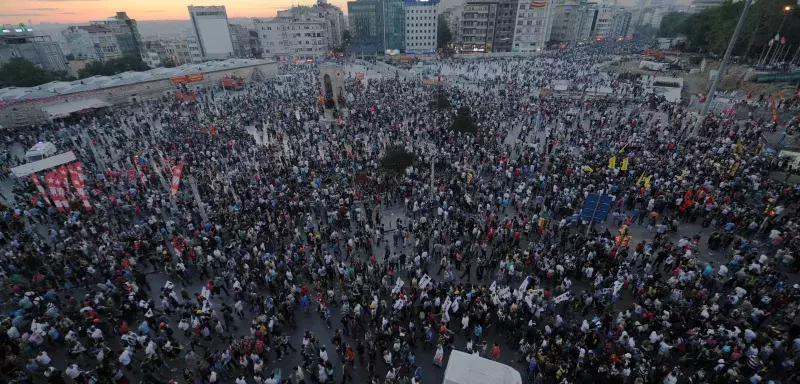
[
  {"x": 617, "y": 286},
  {"x": 446, "y": 305},
  {"x": 424, "y": 281},
  {"x": 561, "y": 297}
]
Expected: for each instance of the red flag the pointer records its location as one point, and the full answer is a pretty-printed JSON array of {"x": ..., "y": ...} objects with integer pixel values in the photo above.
[
  {"x": 176, "y": 179},
  {"x": 50, "y": 179},
  {"x": 63, "y": 175},
  {"x": 39, "y": 187},
  {"x": 76, "y": 172}
]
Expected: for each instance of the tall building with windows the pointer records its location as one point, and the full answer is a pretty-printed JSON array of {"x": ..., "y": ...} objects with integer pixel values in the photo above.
[
  {"x": 395, "y": 20},
  {"x": 92, "y": 42},
  {"x": 366, "y": 19},
  {"x": 505, "y": 26},
  {"x": 126, "y": 31},
  {"x": 293, "y": 34},
  {"x": 194, "y": 49},
  {"x": 19, "y": 41},
  {"x": 335, "y": 20},
  {"x": 210, "y": 25},
  {"x": 478, "y": 25},
  {"x": 533, "y": 25},
  {"x": 422, "y": 24}
]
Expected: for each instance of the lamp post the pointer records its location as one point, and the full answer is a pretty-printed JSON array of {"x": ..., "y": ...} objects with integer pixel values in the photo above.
[
  {"x": 787, "y": 10},
  {"x": 721, "y": 71}
]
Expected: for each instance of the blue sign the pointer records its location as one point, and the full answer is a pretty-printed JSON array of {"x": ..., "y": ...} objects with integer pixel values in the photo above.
[{"x": 596, "y": 207}]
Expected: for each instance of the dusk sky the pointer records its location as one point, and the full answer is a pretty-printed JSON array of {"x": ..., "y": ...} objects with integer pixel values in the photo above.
[{"x": 82, "y": 11}]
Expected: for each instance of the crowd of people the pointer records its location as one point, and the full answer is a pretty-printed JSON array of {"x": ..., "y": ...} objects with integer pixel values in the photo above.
[{"x": 290, "y": 236}]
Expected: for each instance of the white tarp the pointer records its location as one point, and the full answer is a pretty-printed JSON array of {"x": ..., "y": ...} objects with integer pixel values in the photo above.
[
  {"x": 463, "y": 368},
  {"x": 50, "y": 162},
  {"x": 62, "y": 110}
]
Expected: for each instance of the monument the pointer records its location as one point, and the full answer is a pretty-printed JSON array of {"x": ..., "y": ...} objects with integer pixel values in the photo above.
[{"x": 331, "y": 78}]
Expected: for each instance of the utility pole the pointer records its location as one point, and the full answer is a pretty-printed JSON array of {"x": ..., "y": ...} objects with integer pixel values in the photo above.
[
  {"x": 721, "y": 72},
  {"x": 197, "y": 199},
  {"x": 594, "y": 213},
  {"x": 166, "y": 186}
]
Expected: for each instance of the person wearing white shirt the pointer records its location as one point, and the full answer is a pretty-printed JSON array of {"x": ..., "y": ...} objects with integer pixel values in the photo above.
[
  {"x": 43, "y": 358},
  {"x": 125, "y": 357},
  {"x": 72, "y": 371}
]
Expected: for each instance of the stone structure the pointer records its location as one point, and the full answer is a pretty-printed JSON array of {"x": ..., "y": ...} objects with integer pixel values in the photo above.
[{"x": 331, "y": 77}]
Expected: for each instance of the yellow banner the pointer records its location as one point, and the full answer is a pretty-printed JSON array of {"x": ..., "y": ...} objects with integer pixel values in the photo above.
[
  {"x": 734, "y": 169},
  {"x": 647, "y": 181},
  {"x": 624, "y": 166},
  {"x": 639, "y": 180},
  {"x": 738, "y": 148},
  {"x": 612, "y": 162}
]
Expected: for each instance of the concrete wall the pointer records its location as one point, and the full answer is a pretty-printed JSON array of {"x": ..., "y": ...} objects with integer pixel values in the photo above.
[{"x": 31, "y": 113}]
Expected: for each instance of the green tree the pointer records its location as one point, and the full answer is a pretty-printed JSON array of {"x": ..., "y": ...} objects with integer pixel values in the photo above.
[
  {"x": 396, "y": 159},
  {"x": 169, "y": 63},
  {"x": 671, "y": 23},
  {"x": 711, "y": 29},
  {"x": 443, "y": 34},
  {"x": 441, "y": 100},
  {"x": 113, "y": 67},
  {"x": 346, "y": 37},
  {"x": 464, "y": 122},
  {"x": 19, "y": 72}
]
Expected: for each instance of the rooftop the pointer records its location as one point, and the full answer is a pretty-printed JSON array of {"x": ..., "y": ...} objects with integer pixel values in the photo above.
[{"x": 14, "y": 94}]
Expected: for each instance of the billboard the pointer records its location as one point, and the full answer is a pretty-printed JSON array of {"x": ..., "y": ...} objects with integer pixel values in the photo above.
[{"x": 185, "y": 79}]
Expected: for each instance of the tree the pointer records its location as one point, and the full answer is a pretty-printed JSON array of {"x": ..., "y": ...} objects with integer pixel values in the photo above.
[
  {"x": 671, "y": 23},
  {"x": 396, "y": 159},
  {"x": 113, "y": 66},
  {"x": 441, "y": 100},
  {"x": 443, "y": 34},
  {"x": 346, "y": 37},
  {"x": 464, "y": 122},
  {"x": 711, "y": 29},
  {"x": 169, "y": 63},
  {"x": 19, "y": 72}
]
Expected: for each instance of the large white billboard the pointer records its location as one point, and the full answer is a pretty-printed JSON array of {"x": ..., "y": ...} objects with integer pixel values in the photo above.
[{"x": 215, "y": 36}]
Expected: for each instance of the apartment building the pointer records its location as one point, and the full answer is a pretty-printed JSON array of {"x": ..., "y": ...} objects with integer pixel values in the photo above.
[
  {"x": 92, "y": 42},
  {"x": 18, "y": 41},
  {"x": 422, "y": 24},
  {"x": 533, "y": 25},
  {"x": 478, "y": 26}
]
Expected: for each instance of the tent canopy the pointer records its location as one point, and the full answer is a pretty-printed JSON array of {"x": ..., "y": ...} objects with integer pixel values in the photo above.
[
  {"x": 50, "y": 162},
  {"x": 62, "y": 110}
]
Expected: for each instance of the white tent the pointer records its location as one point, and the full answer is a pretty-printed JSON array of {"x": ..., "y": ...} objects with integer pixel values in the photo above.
[
  {"x": 50, "y": 162},
  {"x": 464, "y": 368},
  {"x": 62, "y": 110}
]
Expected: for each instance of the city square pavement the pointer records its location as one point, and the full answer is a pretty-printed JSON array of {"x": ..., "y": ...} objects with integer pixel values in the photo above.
[{"x": 313, "y": 322}]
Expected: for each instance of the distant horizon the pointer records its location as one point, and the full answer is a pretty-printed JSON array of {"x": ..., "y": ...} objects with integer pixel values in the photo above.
[{"x": 84, "y": 11}]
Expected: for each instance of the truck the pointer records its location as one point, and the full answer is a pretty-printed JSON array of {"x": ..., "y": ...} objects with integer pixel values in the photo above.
[{"x": 464, "y": 368}]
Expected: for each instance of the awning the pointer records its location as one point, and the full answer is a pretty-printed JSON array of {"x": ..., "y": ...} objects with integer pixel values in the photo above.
[
  {"x": 50, "y": 162},
  {"x": 62, "y": 110}
]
